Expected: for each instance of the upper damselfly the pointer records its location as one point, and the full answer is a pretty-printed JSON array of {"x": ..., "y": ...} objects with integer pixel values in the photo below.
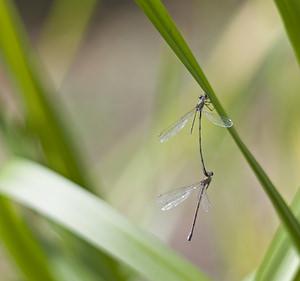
[{"x": 175, "y": 127}]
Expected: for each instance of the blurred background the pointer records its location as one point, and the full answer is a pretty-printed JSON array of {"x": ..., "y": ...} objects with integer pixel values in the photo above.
[{"x": 117, "y": 85}]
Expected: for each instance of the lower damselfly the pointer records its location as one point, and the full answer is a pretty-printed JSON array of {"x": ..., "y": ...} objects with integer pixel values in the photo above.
[
  {"x": 179, "y": 124},
  {"x": 174, "y": 197}
]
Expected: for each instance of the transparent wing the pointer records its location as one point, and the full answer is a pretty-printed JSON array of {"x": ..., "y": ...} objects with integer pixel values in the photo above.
[
  {"x": 174, "y": 197},
  {"x": 205, "y": 202},
  {"x": 174, "y": 128},
  {"x": 218, "y": 119}
]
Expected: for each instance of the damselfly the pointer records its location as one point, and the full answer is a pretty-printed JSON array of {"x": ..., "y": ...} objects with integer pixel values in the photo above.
[
  {"x": 179, "y": 124},
  {"x": 174, "y": 197}
]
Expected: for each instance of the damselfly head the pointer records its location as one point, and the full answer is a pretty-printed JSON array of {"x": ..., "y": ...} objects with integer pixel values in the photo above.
[
  {"x": 204, "y": 98},
  {"x": 208, "y": 174},
  {"x": 207, "y": 98},
  {"x": 207, "y": 179}
]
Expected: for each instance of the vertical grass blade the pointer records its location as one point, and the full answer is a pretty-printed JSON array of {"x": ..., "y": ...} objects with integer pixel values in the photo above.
[
  {"x": 42, "y": 118},
  {"x": 290, "y": 14},
  {"x": 93, "y": 220},
  {"x": 160, "y": 18}
]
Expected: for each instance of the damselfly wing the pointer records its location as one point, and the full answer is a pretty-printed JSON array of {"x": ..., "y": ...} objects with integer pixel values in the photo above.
[
  {"x": 174, "y": 197},
  {"x": 179, "y": 124}
]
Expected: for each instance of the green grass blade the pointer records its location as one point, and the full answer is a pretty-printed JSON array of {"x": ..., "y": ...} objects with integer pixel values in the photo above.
[
  {"x": 160, "y": 18},
  {"x": 93, "y": 220},
  {"x": 22, "y": 245},
  {"x": 42, "y": 118},
  {"x": 281, "y": 258},
  {"x": 290, "y": 14}
]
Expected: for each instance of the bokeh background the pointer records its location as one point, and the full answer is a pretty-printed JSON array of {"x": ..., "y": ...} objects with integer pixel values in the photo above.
[{"x": 118, "y": 84}]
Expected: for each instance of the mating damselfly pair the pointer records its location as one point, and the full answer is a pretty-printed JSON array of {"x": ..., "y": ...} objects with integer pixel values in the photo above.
[{"x": 174, "y": 197}]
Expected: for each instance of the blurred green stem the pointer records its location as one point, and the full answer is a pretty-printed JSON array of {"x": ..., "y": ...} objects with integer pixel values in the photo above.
[
  {"x": 43, "y": 120},
  {"x": 22, "y": 245}
]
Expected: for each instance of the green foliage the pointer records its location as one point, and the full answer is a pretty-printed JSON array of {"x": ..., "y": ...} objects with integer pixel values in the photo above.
[
  {"x": 110, "y": 245},
  {"x": 42, "y": 118},
  {"x": 43, "y": 121},
  {"x": 290, "y": 14},
  {"x": 22, "y": 245}
]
